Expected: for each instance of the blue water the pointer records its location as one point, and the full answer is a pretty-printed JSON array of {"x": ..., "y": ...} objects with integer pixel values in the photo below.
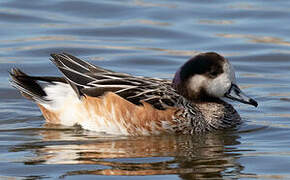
[{"x": 149, "y": 38}]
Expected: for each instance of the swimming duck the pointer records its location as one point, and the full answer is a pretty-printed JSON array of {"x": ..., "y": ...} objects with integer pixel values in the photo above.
[{"x": 102, "y": 100}]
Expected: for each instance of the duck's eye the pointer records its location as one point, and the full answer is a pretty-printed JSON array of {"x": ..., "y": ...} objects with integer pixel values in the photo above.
[{"x": 213, "y": 74}]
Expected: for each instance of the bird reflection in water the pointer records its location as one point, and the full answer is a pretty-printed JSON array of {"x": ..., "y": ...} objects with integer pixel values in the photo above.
[{"x": 195, "y": 156}]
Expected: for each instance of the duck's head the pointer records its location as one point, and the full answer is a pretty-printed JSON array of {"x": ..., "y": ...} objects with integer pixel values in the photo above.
[{"x": 209, "y": 76}]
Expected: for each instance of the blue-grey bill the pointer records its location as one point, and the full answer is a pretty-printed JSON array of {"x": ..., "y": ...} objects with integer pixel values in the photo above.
[{"x": 236, "y": 94}]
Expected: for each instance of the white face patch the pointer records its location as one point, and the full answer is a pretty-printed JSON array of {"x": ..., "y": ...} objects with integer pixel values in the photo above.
[
  {"x": 216, "y": 87},
  {"x": 221, "y": 84},
  {"x": 196, "y": 82}
]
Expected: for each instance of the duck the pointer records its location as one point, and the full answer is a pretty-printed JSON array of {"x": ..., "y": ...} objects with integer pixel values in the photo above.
[{"x": 101, "y": 100}]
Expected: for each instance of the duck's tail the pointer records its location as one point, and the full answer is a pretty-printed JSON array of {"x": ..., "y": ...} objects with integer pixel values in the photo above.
[{"x": 27, "y": 85}]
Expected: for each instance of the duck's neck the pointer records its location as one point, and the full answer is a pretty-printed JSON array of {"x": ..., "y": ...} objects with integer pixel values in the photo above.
[
  {"x": 219, "y": 114},
  {"x": 212, "y": 114}
]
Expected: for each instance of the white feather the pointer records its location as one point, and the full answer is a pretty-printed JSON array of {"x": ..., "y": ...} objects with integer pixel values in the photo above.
[
  {"x": 56, "y": 94},
  {"x": 72, "y": 111}
]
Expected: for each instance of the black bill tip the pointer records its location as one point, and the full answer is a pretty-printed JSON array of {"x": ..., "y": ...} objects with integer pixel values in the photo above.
[{"x": 253, "y": 102}]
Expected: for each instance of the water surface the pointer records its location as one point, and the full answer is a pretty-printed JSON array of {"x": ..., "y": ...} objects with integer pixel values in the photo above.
[{"x": 149, "y": 38}]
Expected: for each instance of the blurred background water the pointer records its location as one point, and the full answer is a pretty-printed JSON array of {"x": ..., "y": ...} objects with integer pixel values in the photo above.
[{"x": 150, "y": 38}]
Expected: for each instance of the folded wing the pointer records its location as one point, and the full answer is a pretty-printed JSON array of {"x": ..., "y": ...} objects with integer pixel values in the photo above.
[{"x": 88, "y": 79}]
